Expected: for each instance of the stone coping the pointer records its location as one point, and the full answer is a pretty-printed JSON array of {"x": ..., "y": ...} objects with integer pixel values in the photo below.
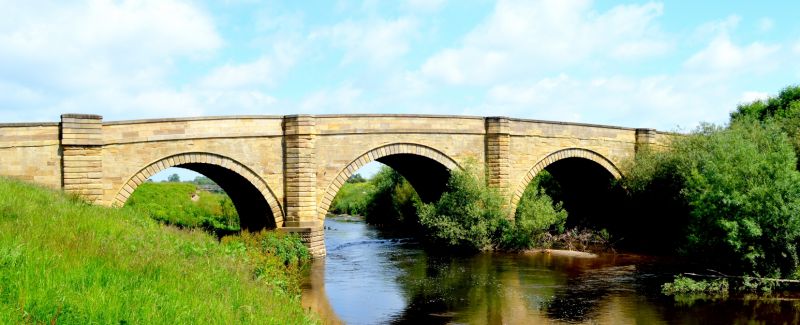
[
  {"x": 82, "y": 116},
  {"x": 326, "y": 116},
  {"x": 28, "y": 124},
  {"x": 200, "y": 118}
]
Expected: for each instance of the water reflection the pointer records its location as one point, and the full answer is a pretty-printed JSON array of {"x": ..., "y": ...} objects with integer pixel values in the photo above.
[{"x": 370, "y": 277}]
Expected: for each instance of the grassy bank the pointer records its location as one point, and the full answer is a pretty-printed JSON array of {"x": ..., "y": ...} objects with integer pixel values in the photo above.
[
  {"x": 64, "y": 261},
  {"x": 183, "y": 205}
]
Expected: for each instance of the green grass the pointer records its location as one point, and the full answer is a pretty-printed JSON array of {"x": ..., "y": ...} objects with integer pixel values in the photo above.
[
  {"x": 172, "y": 203},
  {"x": 64, "y": 261}
]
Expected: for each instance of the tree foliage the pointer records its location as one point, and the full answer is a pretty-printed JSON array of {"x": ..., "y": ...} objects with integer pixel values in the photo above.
[
  {"x": 468, "y": 216},
  {"x": 392, "y": 202},
  {"x": 352, "y": 198},
  {"x": 741, "y": 193},
  {"x": 783, "y": 110}
]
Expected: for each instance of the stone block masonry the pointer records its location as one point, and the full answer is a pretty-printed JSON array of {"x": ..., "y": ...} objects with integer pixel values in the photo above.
[
  {"x": 299, "y": 181},
  {"x": 82, "y": 155}
]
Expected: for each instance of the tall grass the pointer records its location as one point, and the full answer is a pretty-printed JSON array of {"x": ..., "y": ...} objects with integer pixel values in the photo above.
[{"x": 64, "y": 261}]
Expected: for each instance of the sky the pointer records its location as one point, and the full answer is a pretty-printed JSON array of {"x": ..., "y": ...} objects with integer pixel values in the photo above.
[{"x": 667, "y": 65}]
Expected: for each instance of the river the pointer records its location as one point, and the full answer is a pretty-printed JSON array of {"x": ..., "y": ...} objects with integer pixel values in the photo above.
[{"x": 369, "y": 277}]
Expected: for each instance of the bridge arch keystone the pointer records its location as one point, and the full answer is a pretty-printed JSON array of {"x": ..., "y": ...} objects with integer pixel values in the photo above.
[
  {"x": 202, "y": 158},
  {"x": 374, "y": 155},
  {"x": 559, "y": 155}
]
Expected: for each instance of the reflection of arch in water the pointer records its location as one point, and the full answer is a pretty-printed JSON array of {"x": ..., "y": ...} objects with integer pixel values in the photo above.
[
  {"x": 560, "y": 155},
  {"x": 425, "y": 168},
  {"x": 255, "y": 203}
]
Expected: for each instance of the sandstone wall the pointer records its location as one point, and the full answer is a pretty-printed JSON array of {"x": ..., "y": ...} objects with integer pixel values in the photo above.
[
  {"x": 31, "y": 152},
  {"x": 130, "y": 146}
]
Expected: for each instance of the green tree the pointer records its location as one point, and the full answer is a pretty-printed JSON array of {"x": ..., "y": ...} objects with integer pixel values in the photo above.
[
  {"x": 784, "y": 110},
  {"x": 741, "y": 192},
  {"x": 392, "y": 200},
  {"x": 174, "y": 178}
]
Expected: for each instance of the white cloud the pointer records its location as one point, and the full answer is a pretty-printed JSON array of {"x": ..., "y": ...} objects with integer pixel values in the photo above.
[
  {"x": 722, "y": 56},
  {"x": 263, "y": 72},
  {"x": 379, "y": 42},
  {"x": 751, "y": 96},
  {"x": 98, "y": 54},
  {"x": 522, "y": 37},
  {"x": 717, "y": 27},
  {"x": 659, "y": 101},
  {"x": 766, "y": 24}
]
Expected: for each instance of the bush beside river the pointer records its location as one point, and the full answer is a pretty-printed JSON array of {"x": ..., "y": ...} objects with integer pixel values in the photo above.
[{"x": 68, "y": 262}]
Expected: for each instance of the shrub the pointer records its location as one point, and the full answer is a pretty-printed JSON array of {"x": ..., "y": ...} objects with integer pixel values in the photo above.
[
  {"x": 536, "y": 215},
  {"x": 684, "y": 285},
  {"x": 468, "y": 216}
]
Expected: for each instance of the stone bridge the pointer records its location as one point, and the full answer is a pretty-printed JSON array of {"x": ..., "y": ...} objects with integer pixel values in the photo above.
[{"x": 284, "y": 171}]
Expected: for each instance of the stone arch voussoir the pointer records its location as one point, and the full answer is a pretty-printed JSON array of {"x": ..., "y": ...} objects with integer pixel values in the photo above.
[
  {"x": 375, "y": 154},
  {"x": 559, "y": 155},
  {"x": 200, "y": 158}
]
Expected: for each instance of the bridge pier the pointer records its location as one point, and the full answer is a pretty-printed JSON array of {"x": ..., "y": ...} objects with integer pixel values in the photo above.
[
  {"x": 498, "y": 153},
  {"x": 300, "y": 175},
  {"x": 82, "y": 155}
]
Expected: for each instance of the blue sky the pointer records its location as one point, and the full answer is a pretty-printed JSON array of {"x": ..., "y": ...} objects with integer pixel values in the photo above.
[{"x": 654, "y": 64}]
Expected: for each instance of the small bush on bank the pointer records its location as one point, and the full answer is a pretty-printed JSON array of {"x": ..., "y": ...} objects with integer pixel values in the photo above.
[
  {"x": 468, "y": 216},
  {"x": 684, "y": 285},
  {"x": 536, "y": 216}
]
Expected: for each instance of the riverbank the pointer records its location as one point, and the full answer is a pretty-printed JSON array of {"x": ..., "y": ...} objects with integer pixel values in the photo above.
[{"x": 68, "y": 262}]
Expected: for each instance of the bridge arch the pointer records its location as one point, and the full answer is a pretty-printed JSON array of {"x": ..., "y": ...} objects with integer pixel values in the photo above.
[
  {"x": 255, "y": 202},
  {"x": 397, "y": 156},
  {"x": 557, "y": 156}
]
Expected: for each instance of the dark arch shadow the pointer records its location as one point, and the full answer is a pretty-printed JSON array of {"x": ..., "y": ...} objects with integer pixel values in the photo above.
[
  {"x": 587, "y": 191},
  {"x": 255, "y": 203},
  {"x": 425, "y": 168},
  {"x": 254, "y": 211},
  {"x": 427, "y": 176}
]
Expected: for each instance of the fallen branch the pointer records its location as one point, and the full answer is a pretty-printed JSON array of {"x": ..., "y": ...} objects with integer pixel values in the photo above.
[{"x": 739, "y": 277}]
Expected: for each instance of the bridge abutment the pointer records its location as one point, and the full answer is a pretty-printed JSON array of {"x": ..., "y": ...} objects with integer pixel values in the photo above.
[
  {"x": 82, "y": 155},
  {"x": 300, "y": 175}
]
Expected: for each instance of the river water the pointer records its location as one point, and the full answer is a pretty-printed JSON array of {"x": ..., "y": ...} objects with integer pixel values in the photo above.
[{"x": 369, "y": 277}]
